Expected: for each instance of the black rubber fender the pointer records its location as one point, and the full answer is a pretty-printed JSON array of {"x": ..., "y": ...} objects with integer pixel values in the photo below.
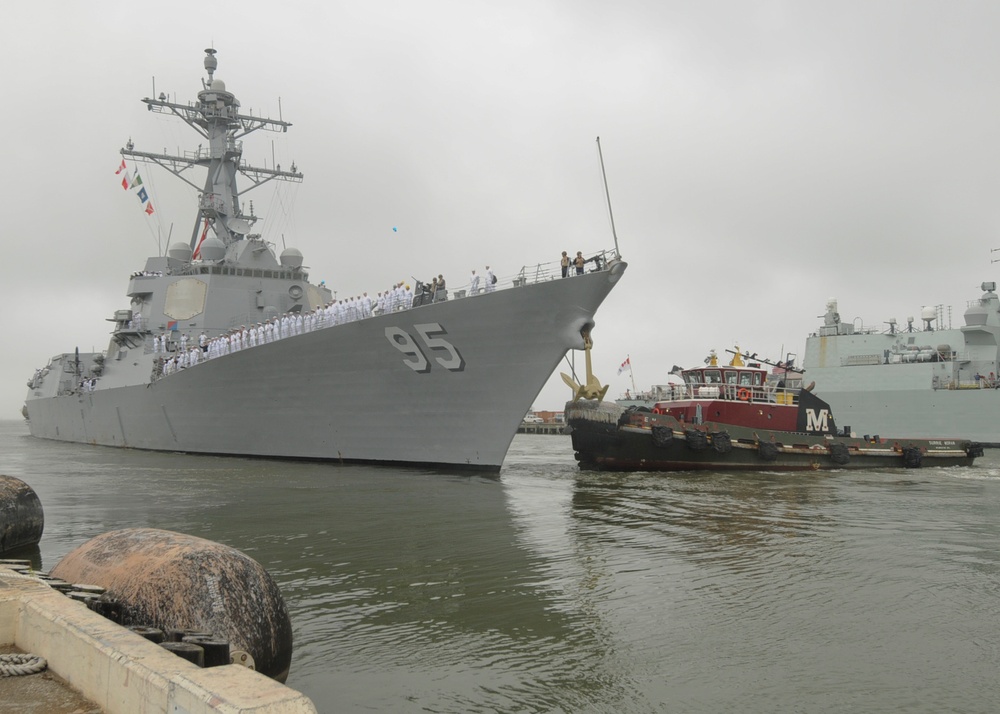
[
  {"x": 839, "y": 453},
  {"x": 912, "y": 457},
  {"x": 721, "y": 442},
  {"x": 767, "y": 451},
  {"x": 696, "y": 440},
  {"x": 662, "y": 435}
]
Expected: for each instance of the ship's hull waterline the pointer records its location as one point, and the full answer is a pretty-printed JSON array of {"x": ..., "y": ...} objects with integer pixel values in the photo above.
[{"x": 348, "y": 392}]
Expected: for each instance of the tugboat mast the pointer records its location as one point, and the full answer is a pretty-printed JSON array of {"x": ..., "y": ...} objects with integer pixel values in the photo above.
[{"x": 217, "y": 118}]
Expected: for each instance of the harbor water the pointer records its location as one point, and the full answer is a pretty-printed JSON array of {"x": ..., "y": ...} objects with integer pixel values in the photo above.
[{"x": 545, "y": 589}]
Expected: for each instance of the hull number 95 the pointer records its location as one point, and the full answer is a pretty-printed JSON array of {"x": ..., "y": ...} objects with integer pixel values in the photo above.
[{"x": 443, "y": 352}]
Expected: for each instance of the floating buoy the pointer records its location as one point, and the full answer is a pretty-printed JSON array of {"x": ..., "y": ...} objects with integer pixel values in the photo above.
[
  {"x": 171, "y": 580},
  {"x": 21, "y": 518}
]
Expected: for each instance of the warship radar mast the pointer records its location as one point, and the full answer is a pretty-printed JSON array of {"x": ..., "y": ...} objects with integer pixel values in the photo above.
[{"x": 216, "y": 116}]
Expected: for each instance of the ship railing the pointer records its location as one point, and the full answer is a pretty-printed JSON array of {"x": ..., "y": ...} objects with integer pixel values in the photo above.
[
  {"x": 543, "y": 272},
  {"x": 771, "y": 394},
  {"x": 980, "y": 381}
]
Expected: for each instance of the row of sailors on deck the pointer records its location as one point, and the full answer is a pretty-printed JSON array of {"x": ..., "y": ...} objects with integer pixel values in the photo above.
[{"x": 187, "y": 354}]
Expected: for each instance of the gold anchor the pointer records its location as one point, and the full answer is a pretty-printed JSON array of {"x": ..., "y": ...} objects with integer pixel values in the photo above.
[{"x": 593, "y": 388}]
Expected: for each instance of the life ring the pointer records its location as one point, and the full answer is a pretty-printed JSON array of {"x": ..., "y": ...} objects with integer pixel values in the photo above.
[{"x": 743, "y": 395}]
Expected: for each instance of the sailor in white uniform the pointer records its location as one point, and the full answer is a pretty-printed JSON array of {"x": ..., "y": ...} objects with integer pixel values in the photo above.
[
  {"x": 474, "y": 284},
  {"x": 490, "y": 280}
]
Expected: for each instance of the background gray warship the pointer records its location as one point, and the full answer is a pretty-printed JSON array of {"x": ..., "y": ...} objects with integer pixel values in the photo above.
[
  {"x": 227, "y": 348},
  {"x": 926, "y": 379}
]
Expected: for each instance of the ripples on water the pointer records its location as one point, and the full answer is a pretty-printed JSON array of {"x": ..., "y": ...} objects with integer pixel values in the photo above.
[{"x": 548, "y": 589}]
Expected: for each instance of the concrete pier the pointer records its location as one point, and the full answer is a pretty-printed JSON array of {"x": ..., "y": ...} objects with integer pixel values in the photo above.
[
  {"x": 544, "y": 428},
  {"x": 120, "y": 671}
]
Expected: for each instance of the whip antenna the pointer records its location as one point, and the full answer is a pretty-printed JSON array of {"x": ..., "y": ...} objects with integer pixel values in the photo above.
[{"x": 608, "y": 195}]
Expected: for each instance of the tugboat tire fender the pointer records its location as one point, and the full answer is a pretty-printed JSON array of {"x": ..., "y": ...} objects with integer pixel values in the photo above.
[
  {"x": 696, "y": 440},
  {"x": 662, "y": 435},
  {"x": 721, "y": 442},
  {"x": 912, "y": 457},
  {"x": 767, "y": 451},
  {"x": 839, "y": 454}
]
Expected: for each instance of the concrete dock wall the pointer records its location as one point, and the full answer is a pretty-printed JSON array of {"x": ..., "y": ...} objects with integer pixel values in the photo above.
[{"x": 122, "y": 672}]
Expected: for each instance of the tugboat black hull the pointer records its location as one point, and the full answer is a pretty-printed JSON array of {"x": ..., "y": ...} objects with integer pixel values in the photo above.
[{"x": 609, "y": 438}]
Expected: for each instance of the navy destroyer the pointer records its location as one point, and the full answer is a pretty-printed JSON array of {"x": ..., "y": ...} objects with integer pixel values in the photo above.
[
  {"x": 923, "y": 379},
  {"x": 227, "y": 348}
]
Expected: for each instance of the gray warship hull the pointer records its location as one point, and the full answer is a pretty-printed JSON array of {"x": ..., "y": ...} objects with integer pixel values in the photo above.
[
  {"x": 346, "y": 392},
  {"x": 870, "y": 404}
]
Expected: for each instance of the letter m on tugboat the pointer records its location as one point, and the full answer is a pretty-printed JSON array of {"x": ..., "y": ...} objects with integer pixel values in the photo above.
[
  {"x": 816, "y": 422},
  {"x": 815, "y": 415}
]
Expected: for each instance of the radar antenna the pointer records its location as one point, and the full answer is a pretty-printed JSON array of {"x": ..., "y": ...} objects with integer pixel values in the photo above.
[
  {"x": 607, "y": 193},
  {"x": 216, "y": 117}
]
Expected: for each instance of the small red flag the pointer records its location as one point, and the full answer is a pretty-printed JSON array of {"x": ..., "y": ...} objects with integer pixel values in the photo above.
[
  {"x": 121, "y": 168},
  {"x": 149, "y": 208},
  {"x": 125, "y": 183}
]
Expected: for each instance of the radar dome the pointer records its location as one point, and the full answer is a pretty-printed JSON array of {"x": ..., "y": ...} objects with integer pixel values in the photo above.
[
  {"x": 218, "y": 85},
  {"x": 180, "y": 251},
  {"x": 213, "y": 249},
  {"x": 291, "y": 258},
  {"x": 976, "y": 314},
  {"x": 928, "y": 313}
]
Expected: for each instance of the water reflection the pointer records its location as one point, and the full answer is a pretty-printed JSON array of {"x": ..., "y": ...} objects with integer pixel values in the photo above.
[{"x": 721, "y": 516}]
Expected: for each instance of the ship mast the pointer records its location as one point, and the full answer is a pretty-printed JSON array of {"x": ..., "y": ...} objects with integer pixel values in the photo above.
[{"x": 217, "y": 118}]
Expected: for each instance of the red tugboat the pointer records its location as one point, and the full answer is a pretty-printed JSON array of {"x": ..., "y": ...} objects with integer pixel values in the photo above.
[{"x": 741, "y": 416}]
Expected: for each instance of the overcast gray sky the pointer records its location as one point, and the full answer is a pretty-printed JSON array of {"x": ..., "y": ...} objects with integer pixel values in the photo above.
[{"x": 762, "y": 157}]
